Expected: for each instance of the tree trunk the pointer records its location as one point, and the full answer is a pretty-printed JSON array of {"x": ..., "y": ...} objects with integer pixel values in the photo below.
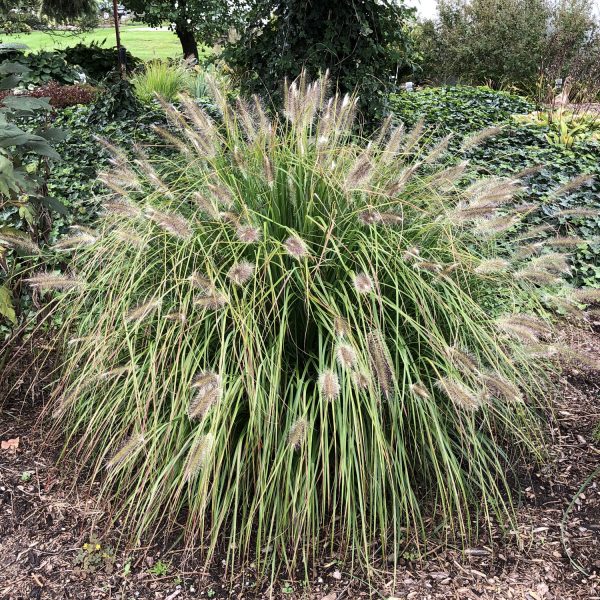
[{"x": 188, "y": 41}]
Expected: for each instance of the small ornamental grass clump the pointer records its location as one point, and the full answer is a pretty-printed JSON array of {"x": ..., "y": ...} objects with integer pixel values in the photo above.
[{"x": 279, "y": 341}]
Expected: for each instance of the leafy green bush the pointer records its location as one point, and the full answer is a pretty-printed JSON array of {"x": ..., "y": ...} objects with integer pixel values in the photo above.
[
  {"x": 162, "y": 78},
  {"x": 97, "y": 62},
  {"x": 280, "y": 336},
  {"x": 460, "y": 110},
  {"x": 510, "y": 43},
  {"x": 44, "y": 67},
  {"x": 363, "y": 44}
]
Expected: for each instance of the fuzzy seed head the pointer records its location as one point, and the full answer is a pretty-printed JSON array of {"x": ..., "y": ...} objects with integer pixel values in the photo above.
[
  {"x": 241, "y": 272},
  {"x": 363, "y": 283},
  {"x": 296, "y": 247},
  {"x": 171, "y": 222},
  {"x": 248, "y": 234},
  {"x": 51, "y": 281},
  {"x": 361, "y": 380},
  {"x": 329, "y": 385},
  {"x": 142, "y": 311},
  {"x": 214, "y": 301},
  {"x": 208, "y": 391},
  {"x": 418, "y": 390},
  {"x": 462, "y": 396},
  {"x": 341, "y": 327},
  {"x": 381, "y": 362},
  {"x": 491, "y": 266},
  {"x": 297, "y": 434},
  {"x": 128, "y": 447},
  {"x": 369, "y": 217},
  {"x": 346, "y": 356},
  {"x": 198, "y": 456}
]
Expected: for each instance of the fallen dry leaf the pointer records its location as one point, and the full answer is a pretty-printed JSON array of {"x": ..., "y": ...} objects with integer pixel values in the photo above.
[{"x": 11, "y": 444}]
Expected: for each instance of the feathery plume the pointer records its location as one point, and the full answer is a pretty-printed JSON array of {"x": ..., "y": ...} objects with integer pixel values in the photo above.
[
  {"x": 208, "y": 391},
  {"x": 462, "y": 396},
  {"x": 222, "y": 194},
  {"x": 390, "y": 219},
  {"x": 130, "y": 237},
  {"x": 411, "y": 255},
  {"x": 363, "y": 283},
  {"x": 447, "y": 178},
  {"x": 296, "y": 247},
  {"x": 116, "y": 372},
  {"x": 554, "y": 262},
  {"x": 361, "y": 171},
  {"x": 205, "y": 205},
  {"x": 329, "y": 385},
  {"x": 75, "y": 241},
  {"x": 419, "y": 391},
  {"x": 121, "y": 208},
  {"x": 492, "y": 265},
  {"x": 173, "y": 223},
  {"x": 462, "y": 360},
  {"x": 413, "y": 136},
  {"x": 525, "y": 328},
  {"x": 128, "y": 447},
  {"x": 500, "y": 387},
  {"x": 369, "y": 217},
  {"x": 394, "y": 144},
  {"x": 201, "y": 281},
  {"x": 176, "y": 316},
  {"x": 141, "y": 311},
  {"x": 241, "y": 272},
  {"x": 346, "y": 356},
  {"x": 381, "y": 362},
  {"x": 173, "y": 140},
  {"x": 565, "y": 241},
  {"x": 248, "y": 234},
  {"x": 497, "y": 224},
  {"x": 198, "y": 455},
  {"x": 425, "y": 265},
  {"x": 535, "y": 274},
  {"x": 341, "y": 327},
  {"x": 438, "y": 150},
  {"x": 586, "y": 295},
  {"x": 214, "y": 301},
  {"x": 52, "y": 281},
  {"x": 297, "y": 433},
  {"x": 477, "y": 138},
  {"x": 569, "y": 186},
  {"x": 578, "y": 212},
  {"x": 533, "y": 232},
  {"x": 528, "y": 171},
  {"x": 19, "y": 241},
  {"x": 361, "y": 380}
]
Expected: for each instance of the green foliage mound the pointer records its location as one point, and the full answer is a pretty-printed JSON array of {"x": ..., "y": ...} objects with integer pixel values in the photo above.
[
  {"x": 281, "y": 340},
  {"x": 95, "y": 60}
]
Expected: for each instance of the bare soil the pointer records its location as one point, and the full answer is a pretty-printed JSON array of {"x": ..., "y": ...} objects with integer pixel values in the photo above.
[{"x": 50, "y": 550}]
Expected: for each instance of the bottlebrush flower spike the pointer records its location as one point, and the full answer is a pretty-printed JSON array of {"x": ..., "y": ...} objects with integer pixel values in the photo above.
[
  {"x": 462, "y": 396},
  {"x": 198, "y": 455},
  {"x": 297, "y": 434},
  {"x": 141, "y": 311},
  {"x": 329, "y": 385},
  {"x": 241, "y": 272},
  {"x": 363, "y": 283},
  {"x": 296, "y": 247},
  {"x": 51, "y": 281},
  {"x": 346, "y": 356},
  {"x": 208, "y": 391}
]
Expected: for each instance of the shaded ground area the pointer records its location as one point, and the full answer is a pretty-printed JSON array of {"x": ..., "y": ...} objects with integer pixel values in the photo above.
[{"x": 50, "y": 550}]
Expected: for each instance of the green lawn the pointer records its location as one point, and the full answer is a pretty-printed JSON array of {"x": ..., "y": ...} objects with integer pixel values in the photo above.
[{"x": 145, "y": 44}]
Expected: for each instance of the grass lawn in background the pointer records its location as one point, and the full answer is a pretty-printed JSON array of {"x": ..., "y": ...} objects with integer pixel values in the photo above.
[{"x": 141, "y": 41}]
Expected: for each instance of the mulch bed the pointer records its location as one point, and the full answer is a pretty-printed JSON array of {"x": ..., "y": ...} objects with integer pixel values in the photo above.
[{"x": 45, "y": 521}]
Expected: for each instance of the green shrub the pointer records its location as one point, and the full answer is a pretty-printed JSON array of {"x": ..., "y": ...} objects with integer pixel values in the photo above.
[
  {"x": 162, "y": 78},
  {"x": 364, "y": 44},
  {"x": 44, "y": 67},
  {"x": 97, "y": 62},
  {"x": 281, "y": 339},
  {"x": 460, "y": 110}
]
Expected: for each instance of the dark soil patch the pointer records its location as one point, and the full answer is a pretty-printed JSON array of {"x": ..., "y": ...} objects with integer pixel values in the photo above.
[{"x": 54, "y": 547}]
